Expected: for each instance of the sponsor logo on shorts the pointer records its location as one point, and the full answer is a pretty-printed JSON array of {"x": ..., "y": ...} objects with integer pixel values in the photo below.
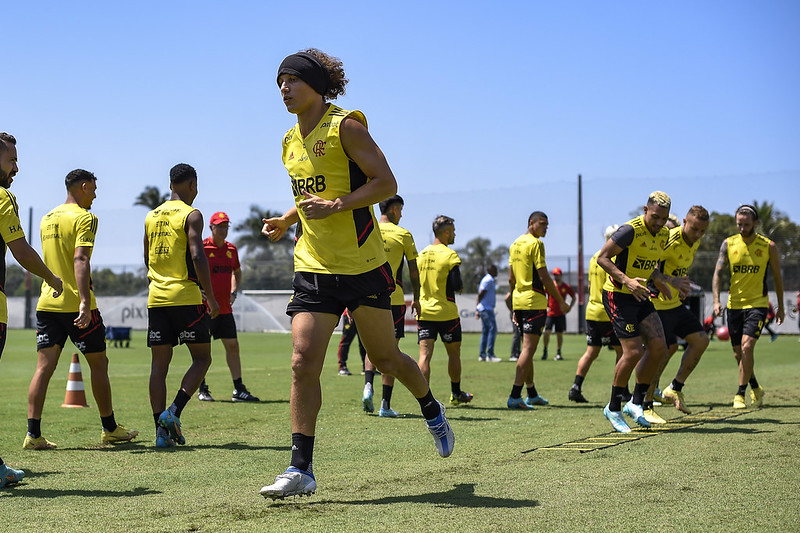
[
  {"x": 187, "y": 335},
  {"x": 630, "y": 328},
  {"x": 42, "y": 338},
  {"x": 81, "y": 346},
  {"x": 154, "y": 335}
]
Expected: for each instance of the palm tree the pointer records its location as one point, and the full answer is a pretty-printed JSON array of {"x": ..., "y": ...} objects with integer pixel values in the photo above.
[
  {"x": 151, "y": 197},
  {"x": 252, "y": 240}
]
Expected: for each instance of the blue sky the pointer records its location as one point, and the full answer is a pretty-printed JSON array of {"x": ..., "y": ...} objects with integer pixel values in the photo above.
[{"x": 486, "y": 111}]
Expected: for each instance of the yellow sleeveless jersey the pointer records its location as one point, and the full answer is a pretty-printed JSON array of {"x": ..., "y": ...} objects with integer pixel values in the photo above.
[
  {"x": 170, "y": 269},
  {"x": 10, "y": 230},
  {"x": 64, "y": 229},
  {"x": 343, "y": 243},
  {"x": 597, "y": 277},
  {"x": 639, "y": 258},
  {"x": 437, "y": 300},
  {"x": 677, "y": 258},
  {"x": 748, "y": 272},
  {"x": 525, "y": 258},
  {"x": 398, "y": 245}
]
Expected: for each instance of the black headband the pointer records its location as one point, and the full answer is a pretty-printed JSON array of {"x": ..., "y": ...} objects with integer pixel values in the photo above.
[{"x": 308, "y": 68}]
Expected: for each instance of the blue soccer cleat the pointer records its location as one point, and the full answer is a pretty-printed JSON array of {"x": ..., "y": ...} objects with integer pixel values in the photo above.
[
  {"x": 616, "y": 419},
  {"x": 442, "y": 433},
  {"x": 172, "y": 424}
]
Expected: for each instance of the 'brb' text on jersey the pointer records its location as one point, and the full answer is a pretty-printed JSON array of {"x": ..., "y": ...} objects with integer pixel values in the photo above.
[
  {"x": 748, "y": 272},
  {"x": 641, "y": 252},
  {"x": 343, "y": 243},
  {"x": 64, "y": 229},
  {"x": 170, "y": 269},
  {"x": 437, "y": 299},
  {"x": 677, "y": 259},
  {"x": 525, "y": 258},
  {"x": 398, "y": 245},
  {"x": 597, "y": 277},
  {"x": 10, "y": 230}
]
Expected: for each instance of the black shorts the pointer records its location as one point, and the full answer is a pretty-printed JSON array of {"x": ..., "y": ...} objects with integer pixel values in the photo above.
[
  {"x": 399, "y": 317},
  {"x": 223, "y": 327},
  {"x": 449, "y": 330},
  {"x": 678, "y": 322},
  {"x": 626, "y": 313},
  {"x": 52, "y": 329},
  {"x": 180, "y": 324},
  {"x": 531, "y": 322},
  {"x": 560, "y": 322},
  {"x": 333, "y": 293},
  {"x": 745, "y": 322},
  {"x": 3, "y": 330},
  {"x": 600, "y": 334}
]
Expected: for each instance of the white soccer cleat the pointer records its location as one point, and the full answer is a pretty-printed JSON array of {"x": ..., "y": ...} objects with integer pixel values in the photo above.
[{"x": 293, "y": 482}]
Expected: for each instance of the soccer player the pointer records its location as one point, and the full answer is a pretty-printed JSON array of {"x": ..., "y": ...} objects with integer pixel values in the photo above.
[
  {"x": 630, "y": 257},
  {"x": 676, "y": 318},
  {"x": 337, "y": 172},
  {"x": 485, "y": 310},
  {"x": 749, "y": 255},
  {"x": 400, "y": 248},
  {"x": 13, "y": 238},
  {"x": 599, "y": 331},
  {"x": 555, "y": 316},
  {"x": 529, "y": 282},
  {"x": 349, "y": 334},
  {"x": 176, "y": 262},
  {"x": 226, "y": 276},
  {"x": 68, "y": 233},
  {"x": 440, "y": 280}
]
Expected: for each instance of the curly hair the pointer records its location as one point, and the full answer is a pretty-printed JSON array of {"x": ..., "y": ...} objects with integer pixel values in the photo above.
[{"x": 335, "y": 70}]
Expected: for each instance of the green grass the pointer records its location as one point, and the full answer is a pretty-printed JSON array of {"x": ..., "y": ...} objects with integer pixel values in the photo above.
[{"x": 384, "y": 474}]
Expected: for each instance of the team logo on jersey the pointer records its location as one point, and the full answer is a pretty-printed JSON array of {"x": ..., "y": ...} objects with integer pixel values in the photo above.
[
  {"x": 759, "y": 252},
  {"x": 319, "y": 148},
  {"x": 229, "y": 254},
  {"x": 291, "y": 156},
  {"x": 211, "y": 255}
]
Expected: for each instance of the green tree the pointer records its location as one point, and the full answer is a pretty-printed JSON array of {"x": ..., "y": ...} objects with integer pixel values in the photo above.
[
  {"x": 106, "y": 282},
  {"x": 475, "y": 257},
  {"x": 151, "y": 197},
  {"x": 266, "y": 264}
]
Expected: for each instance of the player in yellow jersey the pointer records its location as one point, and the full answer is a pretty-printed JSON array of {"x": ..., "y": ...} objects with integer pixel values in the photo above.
[
  {"x": 529, "y": 283},
  {"x": 440, "y": 280},
  {"x": 337, "y": 173},
  {"x": 629, "y": 258},
  {"x": 68, "y": 233},
  {"x": 13, "y": 238},
  {"x": 676, "y": 318},
  {"x": 599, "y": 331},
  {"x": 176, "y": 264},
  {"x": 748, "y": 255},
  {"x": 400, "y": 248}
]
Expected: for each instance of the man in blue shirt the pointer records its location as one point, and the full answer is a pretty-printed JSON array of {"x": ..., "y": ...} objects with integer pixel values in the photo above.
[{"x": 487, "y": 297}]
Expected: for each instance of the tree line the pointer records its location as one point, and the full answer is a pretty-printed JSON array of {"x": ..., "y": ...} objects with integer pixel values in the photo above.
[{"x": 267, "y": 265}]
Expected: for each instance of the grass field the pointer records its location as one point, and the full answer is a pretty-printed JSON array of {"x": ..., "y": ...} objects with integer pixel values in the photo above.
[{"x": 741, "y": 473}]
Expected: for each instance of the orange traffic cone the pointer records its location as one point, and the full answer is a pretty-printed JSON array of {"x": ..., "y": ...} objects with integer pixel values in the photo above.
[{"x": 76, "y": 394}]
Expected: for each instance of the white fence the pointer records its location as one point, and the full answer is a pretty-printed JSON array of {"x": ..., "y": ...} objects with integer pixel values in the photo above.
[{"x": 265, "y": 311}]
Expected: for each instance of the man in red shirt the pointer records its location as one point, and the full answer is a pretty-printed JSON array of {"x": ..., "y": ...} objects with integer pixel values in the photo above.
[
  {"x": 554, "y": 315},
  {"x": 226, "y": 275}
]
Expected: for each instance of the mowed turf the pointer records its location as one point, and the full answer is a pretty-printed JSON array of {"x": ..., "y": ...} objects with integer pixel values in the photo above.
[{"x": 741, "y": 473}]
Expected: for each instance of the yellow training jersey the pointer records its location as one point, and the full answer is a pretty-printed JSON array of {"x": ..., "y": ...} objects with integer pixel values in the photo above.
[
  {"x": 748, "y": 272},
  {"x": 170, "y": 269},
  {"x": 10, "y": 230},
  {"x": 640, "y": 255},
  {"x": 526, "y": 257},
  {"x": 64, "y": 229},
  {"x": 677, "y": 258},
  {"x": 343, "y": 243},
  {"x": 398, "y": 245},
  {"x": 437, "y": 299},
  {"x": 597, "y": 277}
]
